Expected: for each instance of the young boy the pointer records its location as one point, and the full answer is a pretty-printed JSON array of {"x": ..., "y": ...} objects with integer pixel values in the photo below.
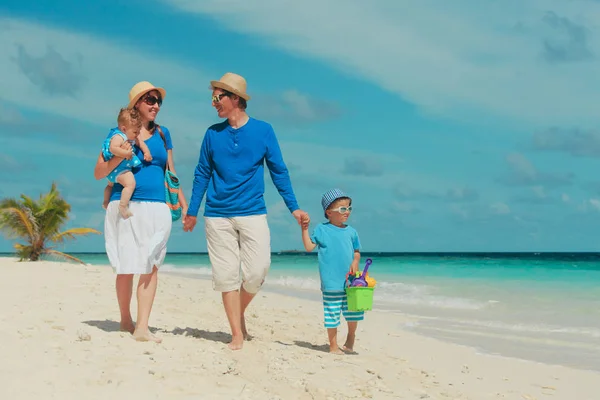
[
  {"x": 128, "y": 129},
  {"x": 338, "y": 247}
]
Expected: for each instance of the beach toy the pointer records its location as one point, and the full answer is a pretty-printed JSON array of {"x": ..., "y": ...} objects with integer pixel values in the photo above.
[
  {"x": 360, "y": 279},
  {"x": 371, "y": 282},
  {"x": 359, "y": 291}
]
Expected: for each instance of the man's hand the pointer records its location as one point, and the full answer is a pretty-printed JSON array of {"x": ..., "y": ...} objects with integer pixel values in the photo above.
[
  {"x": 300, "y": 216},
  {"x": 353, "y": 268},
  {"x": 189, "y": 223}
]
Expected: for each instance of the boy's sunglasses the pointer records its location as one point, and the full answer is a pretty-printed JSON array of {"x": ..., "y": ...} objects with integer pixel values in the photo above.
[
  {"x": 342, "y": 210},
  {"x": 152, "y": 100},
  {"x": 217, "y": 97}
]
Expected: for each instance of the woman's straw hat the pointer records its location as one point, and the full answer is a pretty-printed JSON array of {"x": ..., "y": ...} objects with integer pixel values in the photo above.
[
  {"x": 140, "y": 89},
  {"x": 233, "y": 83}
]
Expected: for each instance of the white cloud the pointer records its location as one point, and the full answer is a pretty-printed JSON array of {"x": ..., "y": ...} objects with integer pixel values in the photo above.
[
  {"x": 595, "y": 204},
  {"x": 87, "y": 78},
  {"x": 500, "y": 208},
  {"x": 507, "y": 59}
]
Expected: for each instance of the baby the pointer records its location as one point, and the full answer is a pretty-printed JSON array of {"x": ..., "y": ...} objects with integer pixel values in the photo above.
[{"x": 128, "y": 129}]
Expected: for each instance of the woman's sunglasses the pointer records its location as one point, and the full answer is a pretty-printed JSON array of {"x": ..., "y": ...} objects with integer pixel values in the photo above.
[{"x": 152, "y": 100}]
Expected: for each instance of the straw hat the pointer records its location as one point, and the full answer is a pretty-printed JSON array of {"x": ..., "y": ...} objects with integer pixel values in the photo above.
[
  {"x": 140, "y": 89},
  {"x": 233, "y": 83}
]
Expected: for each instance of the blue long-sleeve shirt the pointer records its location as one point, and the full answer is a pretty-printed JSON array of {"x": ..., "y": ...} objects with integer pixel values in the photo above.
[{"x": 231, "y": 171}]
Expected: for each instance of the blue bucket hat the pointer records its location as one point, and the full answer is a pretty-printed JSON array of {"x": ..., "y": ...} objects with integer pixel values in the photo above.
[{"x": 329, "y": 197}]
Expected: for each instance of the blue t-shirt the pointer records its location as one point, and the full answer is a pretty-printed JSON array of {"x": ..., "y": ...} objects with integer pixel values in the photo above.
[
  {"x": 230, "y": 171},
  {"x": 149, "y": 176},
  {"x": 336, "y": 248}
]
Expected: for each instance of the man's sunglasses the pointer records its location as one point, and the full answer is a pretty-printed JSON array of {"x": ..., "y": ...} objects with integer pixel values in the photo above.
[
  {"x": 152, "y": 100},
  {"x": 342, "y": 210},
  {"x": 217, "y": 97}
]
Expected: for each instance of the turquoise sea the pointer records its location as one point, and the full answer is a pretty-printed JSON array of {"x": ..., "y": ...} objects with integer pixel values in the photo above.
[{"x": 537, "y": 306}]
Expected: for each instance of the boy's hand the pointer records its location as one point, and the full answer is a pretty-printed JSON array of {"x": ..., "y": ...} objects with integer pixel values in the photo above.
[
  {"x": 147, "y": 157},
  {"x": 353, "y": 268},
  {"x": 305, "y": 221}
]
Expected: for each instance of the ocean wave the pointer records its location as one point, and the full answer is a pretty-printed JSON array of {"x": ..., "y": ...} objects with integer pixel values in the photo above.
[{"x": 202, "y": 270}]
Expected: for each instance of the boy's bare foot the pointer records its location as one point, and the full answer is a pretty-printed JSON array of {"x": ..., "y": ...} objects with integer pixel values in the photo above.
[
  {"x": 349, "y": 345},
  {"x": 147, "y": 157},
  {"x": 125, "y": 213},
  {"x": 237, "y": 342},
  {"x": 348, "y": 350},
  {"x": 146, "y": 337},
  {"x": 127, "y": 327},
  {"x": 337, "y": 351}
]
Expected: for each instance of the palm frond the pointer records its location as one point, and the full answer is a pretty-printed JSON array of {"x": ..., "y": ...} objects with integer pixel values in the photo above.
[
  {"x": 60, "y": 254},
  {"x": 18, "y": 222},
  {"x": 70, "y": 234}
]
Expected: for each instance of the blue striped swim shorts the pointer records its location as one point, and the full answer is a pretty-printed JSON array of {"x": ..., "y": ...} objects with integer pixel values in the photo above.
[{"x": 336, "y": 303}]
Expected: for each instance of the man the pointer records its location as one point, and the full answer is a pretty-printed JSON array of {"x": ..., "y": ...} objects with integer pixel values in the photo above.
[{"x": 231, "y": 173}]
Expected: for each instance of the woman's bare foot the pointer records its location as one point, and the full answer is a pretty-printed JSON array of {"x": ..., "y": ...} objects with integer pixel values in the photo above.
[
  {"x": 125, "y": 213},
  {"x": 127, "y": 326},
  {"x": 237, "y": 342},
  {"x": 146, "y": 337}
]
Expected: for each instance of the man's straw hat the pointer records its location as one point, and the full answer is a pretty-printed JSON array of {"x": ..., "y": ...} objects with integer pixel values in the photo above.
[
  {"x": 233, "y": 83},
  {"x": 140, "y": 89}
]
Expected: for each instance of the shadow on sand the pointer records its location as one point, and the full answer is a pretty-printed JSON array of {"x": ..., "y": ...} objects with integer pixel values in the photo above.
[
  {"x": 111, "y": 326},
  {"x": 220, "y": 337}
]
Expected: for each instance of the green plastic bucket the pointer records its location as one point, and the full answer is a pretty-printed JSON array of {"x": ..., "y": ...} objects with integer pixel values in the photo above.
[{"x": 360, "y": 298}]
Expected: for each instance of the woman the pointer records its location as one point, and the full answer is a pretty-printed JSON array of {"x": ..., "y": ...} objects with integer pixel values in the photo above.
[{"x": 138, "y": 245}]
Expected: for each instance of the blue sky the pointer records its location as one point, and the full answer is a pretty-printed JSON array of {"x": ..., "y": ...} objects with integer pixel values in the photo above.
[{"x": 455, "y": 126}]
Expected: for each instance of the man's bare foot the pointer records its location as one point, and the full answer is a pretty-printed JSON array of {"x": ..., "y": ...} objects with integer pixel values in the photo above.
[
  {"x": 125, "y": 213},
  {"x": 336, "y": 350},
  {"x": 146, "y": 337},
  {"x": 127, "y": 327},
  {"x": 237, "y": 342},
  {"x": 247, "y": 336}
]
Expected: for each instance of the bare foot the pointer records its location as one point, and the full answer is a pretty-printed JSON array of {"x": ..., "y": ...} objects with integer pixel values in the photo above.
[
  {"x": 336, "y": 351},
  {"x": 125, "y": 213},
  {"x": 237, "y": 342},
  {"x": 349, "y": 345},
  {"x": 348, "y": 350},
  {"x": 247, "y": 336},
  {"x": 127, "y": 327},
  {"x": 146, "y": 337}
]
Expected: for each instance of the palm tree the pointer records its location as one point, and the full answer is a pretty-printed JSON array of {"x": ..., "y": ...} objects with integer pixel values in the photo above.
[{"x": 39, "y": 223}]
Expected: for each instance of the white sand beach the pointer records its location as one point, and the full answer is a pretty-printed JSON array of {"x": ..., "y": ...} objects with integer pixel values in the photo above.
[{"x": 59, "y": 339}]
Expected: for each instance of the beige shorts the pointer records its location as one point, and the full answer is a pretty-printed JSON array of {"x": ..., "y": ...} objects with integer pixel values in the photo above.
[{"x": 238, "y": 243}]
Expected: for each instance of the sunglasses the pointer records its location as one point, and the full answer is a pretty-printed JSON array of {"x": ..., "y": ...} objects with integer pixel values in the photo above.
[
  {"x": 217, "y": 97},
  {"x": 152, "y": 100},
  {"x": 342, "y": 210}
]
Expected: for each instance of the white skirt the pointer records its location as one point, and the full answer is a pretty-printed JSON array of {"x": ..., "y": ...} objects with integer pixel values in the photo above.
[{"x": 136, "y": 244}]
